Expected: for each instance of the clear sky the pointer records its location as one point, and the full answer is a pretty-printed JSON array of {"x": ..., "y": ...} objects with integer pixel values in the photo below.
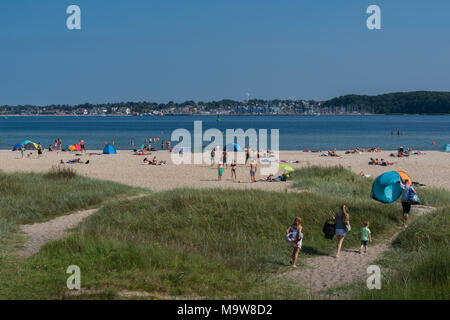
[{"x": 135, "y": 50}]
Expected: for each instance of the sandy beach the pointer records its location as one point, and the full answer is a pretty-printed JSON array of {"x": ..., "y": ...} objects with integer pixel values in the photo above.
[{"x": 432, "y": 168}]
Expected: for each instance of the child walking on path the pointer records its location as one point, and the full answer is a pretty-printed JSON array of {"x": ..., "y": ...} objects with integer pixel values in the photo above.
[
  {"x": 294, "y": 237},
  {"x": 366, "y": 236}
]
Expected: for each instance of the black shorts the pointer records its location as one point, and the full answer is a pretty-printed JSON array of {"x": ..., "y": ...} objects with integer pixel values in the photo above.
[{"x": 406, "y": 206}]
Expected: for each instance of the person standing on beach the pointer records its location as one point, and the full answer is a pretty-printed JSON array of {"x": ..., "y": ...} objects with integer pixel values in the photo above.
[
  {"x": 342, "y": 223},
  {"x": 225, "y": 158},
  {"x": 407, "y": 189},
  {"x": 294, "y": 237},
  {"x": 39, "y": 148},
  {"x": 59, "y": 144},
  {"x": 220, "y": 171},
  {"x": 247, "y": 155},
  {"x": 22, "y": 151},
  {"x": 213, "y": 155},
  {"x": 253, "y": 168},
  {"x": 82, "y": 145},
  {"x": 233, "y": 170}
]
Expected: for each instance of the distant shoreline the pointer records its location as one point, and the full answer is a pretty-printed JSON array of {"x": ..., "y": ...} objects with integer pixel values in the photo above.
[{"x": 222, "y": 115}]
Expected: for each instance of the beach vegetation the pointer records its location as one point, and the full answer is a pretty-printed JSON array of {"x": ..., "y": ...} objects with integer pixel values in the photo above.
[
  {"x": 212, "y": 243},
  {"x": 418, "y": 264},
  {"x": 33, "y": 197}
]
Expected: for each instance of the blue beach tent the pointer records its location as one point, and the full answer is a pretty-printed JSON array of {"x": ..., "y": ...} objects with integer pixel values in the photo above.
[
  {"x": 17, "y": 147},
  {"x": 109, "y": 149},
  {"x": 446, "y": 148},
  {"x": 386, "y": 188}
]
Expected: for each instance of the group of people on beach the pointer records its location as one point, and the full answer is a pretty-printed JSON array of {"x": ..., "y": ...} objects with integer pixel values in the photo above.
[
  {"x": 360, "y": 150},
  {"x": 403, "y": 152},
  {"x": 223, "y": 162},
  {"x": 154, "y": 162},
  {"x": 381, "y": 162},
  {"x": 39, "y": 148}
]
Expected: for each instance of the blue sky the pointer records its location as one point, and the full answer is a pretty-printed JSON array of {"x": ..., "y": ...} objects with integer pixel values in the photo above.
[{"x": 212, "y": 49}]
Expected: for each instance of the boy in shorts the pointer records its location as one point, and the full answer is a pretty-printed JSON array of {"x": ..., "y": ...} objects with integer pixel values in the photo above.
[{"x": 366, "y": 236}]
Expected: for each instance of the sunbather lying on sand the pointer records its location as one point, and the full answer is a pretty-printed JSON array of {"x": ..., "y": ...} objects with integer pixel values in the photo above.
[
  {"x": 333, "y": 153},
  {"x": 270, "y": 178},
  {"x": 77, "y": 160},
  {"x": 363, "y": 174},
  {"x": 383, "y": 162}
]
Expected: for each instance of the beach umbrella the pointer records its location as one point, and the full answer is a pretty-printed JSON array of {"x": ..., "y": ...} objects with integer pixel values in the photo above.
[
  {"x": 446, "y": 148},
  {"x": 74, "y": 147},
  {"x": 286, "y": 167},
  {"x": 29, "y": 145}
]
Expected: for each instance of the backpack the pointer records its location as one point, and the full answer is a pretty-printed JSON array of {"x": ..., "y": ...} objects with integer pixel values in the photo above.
[{"x": 329, "y": 229}]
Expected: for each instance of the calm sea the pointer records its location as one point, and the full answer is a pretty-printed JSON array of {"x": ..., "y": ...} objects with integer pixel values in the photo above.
[{"x": 296, "y": 133}]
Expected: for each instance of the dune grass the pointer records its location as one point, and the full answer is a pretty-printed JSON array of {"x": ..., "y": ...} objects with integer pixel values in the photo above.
[
  {"x": 201, "y": 243},
  {"x": 194, "y": 243},
  {"x": 344, "y": 184},
  {"x": 31, "y": 197}
]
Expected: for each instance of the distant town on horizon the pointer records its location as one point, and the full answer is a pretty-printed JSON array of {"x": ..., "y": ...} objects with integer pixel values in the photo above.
[{"x": 417, "y": 102}]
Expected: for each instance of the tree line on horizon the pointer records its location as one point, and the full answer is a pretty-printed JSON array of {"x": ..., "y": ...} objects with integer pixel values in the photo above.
[{"x": 418, "y": 102}]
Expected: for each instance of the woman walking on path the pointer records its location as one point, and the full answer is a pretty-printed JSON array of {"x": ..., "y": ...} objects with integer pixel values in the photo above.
[
  {"x": 342, "y": 226},
  {"x": 294, "y": 237}
]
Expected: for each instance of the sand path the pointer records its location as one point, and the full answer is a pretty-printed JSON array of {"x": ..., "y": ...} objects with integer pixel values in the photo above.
[
  {"x": 325, "y": 272},
  {"x": 41, "y": 233}
]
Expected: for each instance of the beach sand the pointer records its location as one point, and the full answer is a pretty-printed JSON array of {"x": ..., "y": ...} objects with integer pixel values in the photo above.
[{"x": 431, "y": 169}]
